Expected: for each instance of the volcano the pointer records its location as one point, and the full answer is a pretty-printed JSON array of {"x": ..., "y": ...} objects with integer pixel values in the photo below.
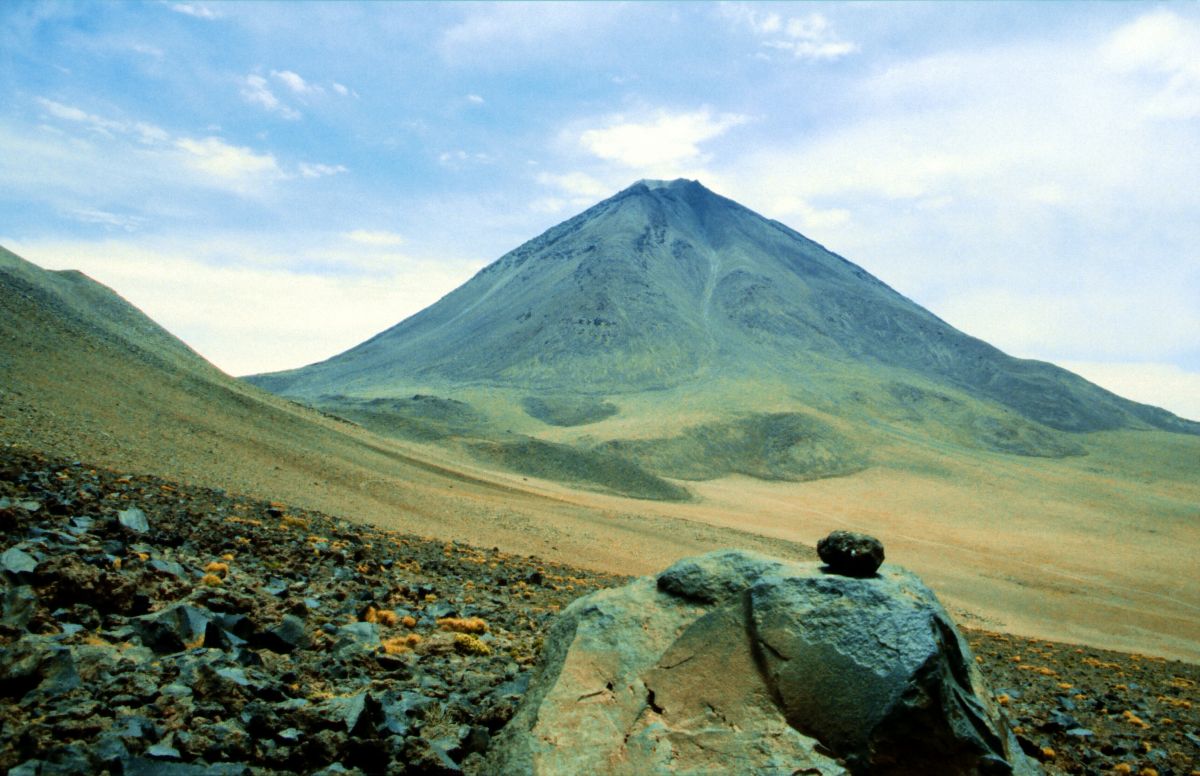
[{"x": 755, "y": 336}]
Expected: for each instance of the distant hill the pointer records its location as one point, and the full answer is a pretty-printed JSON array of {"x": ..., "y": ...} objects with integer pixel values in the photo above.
[{"x": 735, "y": 343}]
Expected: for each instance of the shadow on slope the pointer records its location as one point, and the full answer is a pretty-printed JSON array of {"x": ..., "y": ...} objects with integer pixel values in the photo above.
[
  {"x": 597, "y": 468},
  {"x": 568, "y": 410}
]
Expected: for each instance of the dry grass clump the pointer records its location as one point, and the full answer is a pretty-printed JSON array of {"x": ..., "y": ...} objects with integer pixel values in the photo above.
[
  {"x": 463, "y": 625},
  {"x": 210, "y": 579},
  {"x": 216, "y": 567}
]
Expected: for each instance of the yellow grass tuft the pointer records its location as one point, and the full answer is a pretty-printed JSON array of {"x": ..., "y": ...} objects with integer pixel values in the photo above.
[
  {"x": 210, "y": 579},
  {"x": 218, "y": 568},
  {"x": 409, "y": 621}
]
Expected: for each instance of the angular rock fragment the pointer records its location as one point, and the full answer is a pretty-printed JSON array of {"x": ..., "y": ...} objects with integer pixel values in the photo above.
[{"x": 134, "y": 519}]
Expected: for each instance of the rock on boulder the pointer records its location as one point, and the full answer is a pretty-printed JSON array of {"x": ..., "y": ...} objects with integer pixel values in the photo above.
[{"x": 738, "y": 663}]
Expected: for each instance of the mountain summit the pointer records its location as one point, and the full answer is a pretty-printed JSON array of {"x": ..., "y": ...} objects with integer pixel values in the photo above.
[{"x": 667, "y": 284}]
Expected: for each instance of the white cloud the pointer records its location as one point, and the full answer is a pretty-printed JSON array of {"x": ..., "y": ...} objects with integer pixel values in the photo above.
[
  {"x": 1164, "y": 44},
  {"x": 311, "y": 170},
  {"x": 235, "y": 166},
  {"x": 475, "y": 99},
  {"x": 804, "y": 37},
  {"x": 1162, "y": 385},
  {"x": 343, "y": 90},
  {"x": 665, "y": 138},
  {"x": 256, "y": 92},
  {"x": 374, "y": 238},
  {"x": 197, "y": 10}
]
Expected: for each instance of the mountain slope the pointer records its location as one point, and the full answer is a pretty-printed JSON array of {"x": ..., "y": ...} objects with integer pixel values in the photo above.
[{"x": 667, "y": 284}]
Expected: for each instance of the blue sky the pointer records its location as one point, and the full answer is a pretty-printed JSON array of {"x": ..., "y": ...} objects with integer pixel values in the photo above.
[{"x": 276, "y": 182}]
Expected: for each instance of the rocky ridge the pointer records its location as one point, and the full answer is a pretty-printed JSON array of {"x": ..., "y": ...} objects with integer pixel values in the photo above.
[{"x": 148, "y": 626}]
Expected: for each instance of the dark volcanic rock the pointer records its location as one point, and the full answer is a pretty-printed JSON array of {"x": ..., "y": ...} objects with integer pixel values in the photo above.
[{"x": 851, "y": 554}]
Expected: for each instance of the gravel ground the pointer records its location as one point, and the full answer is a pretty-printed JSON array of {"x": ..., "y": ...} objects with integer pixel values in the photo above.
[{"x": 150, "y": 627}]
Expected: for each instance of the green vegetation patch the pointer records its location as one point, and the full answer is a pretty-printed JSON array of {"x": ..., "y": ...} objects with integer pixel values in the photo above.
[
  {"x": 568, "y": 411},
  {"x": 562, "y": 463},
  {"x": 770, "y": 446}
]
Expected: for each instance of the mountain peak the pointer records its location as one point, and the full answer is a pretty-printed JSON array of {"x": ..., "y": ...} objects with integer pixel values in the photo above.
[{"x": 655, "y": 184}]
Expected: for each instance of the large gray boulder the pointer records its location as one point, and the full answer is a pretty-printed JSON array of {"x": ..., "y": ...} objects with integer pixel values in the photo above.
[{"x": 734, "y": 662}]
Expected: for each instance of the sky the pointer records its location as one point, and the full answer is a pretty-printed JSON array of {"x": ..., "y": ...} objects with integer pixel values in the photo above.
[{"x": 276, "y": 182}]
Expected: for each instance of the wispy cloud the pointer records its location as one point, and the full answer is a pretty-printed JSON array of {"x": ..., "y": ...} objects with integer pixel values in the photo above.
[
  {"x": 663, "y": 138},
  {"x": 317, "y": 170},
  {"x": 111, "y": 221},
  {"x": 475, "y": 99},
  {"x": 256, "y": 91},
  {"x": 198, "y": 10},
  {"x": 295, "y": 82},
  {"x": 375, "y": 238},
  {"x": 143, "y": 131},
  {"x": 811, "y": 36}
]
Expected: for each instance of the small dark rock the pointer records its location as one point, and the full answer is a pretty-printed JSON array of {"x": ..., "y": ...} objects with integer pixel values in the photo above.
[{"x": 851, "y": 554}]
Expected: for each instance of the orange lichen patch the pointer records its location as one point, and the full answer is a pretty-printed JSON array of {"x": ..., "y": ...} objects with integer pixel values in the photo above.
[
  {"x": 396, "y": 645},
  {"x": 466, "y": 644},
  {"x": 217, "y": 567},
  {"x": 210, "y": 579},
  {"x": 293, "y": 521},
  {"x": 1134, "y": 719},
  {"x": 409, "y": 621},
  {"x": 381, "y": 616},
  {"x": 1097, "y": 663},
  {"x": 463, "y": 625},
  {"x": 195, "y": 643}
]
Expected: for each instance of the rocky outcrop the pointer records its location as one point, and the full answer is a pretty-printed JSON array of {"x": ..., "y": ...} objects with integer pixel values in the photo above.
[{"x": 739, "y": 663}]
